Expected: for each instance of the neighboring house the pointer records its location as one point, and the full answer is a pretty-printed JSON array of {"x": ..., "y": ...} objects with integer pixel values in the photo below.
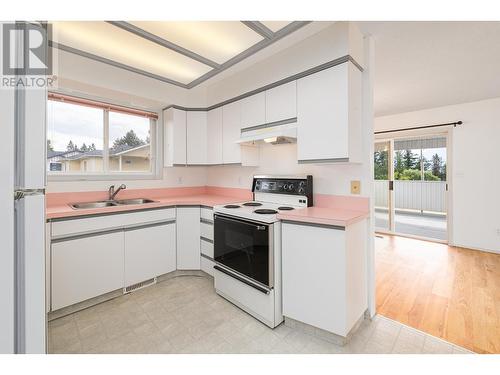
[{"x": 123, "y": 158}]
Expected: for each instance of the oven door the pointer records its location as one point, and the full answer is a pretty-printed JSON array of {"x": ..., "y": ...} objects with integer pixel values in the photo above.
[{"x": 246, "y": 247}]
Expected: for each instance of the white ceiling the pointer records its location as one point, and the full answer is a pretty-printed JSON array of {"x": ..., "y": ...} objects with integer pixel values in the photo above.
[{"x": 430, "y": 64}]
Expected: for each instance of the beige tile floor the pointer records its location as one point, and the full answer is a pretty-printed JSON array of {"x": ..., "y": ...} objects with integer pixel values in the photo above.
[{"x": 185, "y": 315}]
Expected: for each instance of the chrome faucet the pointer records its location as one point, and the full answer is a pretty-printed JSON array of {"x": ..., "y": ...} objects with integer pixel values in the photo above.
[{"x": 112, "y": 193}]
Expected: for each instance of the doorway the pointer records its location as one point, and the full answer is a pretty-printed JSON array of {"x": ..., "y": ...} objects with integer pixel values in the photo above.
[{"x": 411, "y": 186}]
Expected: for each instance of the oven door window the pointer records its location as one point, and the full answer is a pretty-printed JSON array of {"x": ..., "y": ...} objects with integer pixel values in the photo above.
[{"x": 243, "y": 246}]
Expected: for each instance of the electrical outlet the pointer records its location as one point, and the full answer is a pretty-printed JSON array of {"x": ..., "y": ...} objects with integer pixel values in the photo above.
[
  {"x": 179, "y": 180},
  {"x": 239, "y": 180},
  {"x": 355, "y": 187}
]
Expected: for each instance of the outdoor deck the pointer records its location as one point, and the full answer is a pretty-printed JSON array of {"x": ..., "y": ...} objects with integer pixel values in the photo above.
[{"x": 414, "y": 223}]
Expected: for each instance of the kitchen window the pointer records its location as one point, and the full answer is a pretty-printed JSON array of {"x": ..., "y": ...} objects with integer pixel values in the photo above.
[{"x": 87, "y": 139}]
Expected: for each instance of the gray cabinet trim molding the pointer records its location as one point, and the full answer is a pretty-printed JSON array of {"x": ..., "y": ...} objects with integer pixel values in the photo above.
[
  {"x": 337, "y": 227},
  {"x": 318, "y": 161},
  {"x": 305, "y": 73}
]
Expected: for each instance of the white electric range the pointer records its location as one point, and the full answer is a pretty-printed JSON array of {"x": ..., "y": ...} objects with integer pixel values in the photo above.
[{"x": 247, "y": 245}]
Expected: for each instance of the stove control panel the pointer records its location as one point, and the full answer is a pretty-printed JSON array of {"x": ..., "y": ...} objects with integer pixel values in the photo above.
[{"x": 284, "y": 185}]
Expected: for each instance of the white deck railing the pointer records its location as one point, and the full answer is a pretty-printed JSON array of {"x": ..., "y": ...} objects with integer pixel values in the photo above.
[{"x": 413, "y": 195}]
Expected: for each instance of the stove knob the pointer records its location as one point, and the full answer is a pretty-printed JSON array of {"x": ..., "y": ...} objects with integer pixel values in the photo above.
[
  {"x": 291, "y": 187},
  {"x": 285, "y": 187},
  {"x": 301, "y": 190},
  {"x": 302, "y": 184}
]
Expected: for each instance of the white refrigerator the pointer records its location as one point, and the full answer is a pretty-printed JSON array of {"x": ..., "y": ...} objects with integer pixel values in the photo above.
[{"x": 23, "y": 323}]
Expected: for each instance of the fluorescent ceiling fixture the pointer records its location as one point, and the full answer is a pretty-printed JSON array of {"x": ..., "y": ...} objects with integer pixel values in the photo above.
[
  {"x": 113, "y": 43},
  {"x": 275, "y": 25},
  {"x": 215, "y": 40}
]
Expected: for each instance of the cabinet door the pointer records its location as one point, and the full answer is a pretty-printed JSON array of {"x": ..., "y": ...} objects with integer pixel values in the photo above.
[
  {"x": 281, "y": 102},
  {"x": 196, "y": 125},
  {"x": 188, "y": 238},
  {"x": 314, "y": 287},
  {"x": 149, "y": 252},
  {"x": 253, "y": 110},
  {"x": 323, "y": 123},
  {"x": 214, "y": 136},
  {"x": 174, "y": 137},
  {"x": 231, "y": 132},
  {"x": 86, "y": 267}
]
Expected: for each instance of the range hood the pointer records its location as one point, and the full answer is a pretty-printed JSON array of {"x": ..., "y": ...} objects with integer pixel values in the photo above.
[{"x": 270, "y": 133}]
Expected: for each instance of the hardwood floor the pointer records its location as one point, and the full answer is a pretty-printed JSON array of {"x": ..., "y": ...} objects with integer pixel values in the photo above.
[{"x": 448, "y": 292}]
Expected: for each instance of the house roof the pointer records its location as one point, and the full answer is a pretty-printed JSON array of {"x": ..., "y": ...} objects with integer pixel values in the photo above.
[{"x": 116, "y": 151}]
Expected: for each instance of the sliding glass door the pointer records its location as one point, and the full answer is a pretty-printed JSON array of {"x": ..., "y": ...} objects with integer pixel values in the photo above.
[{"x": 411, "y": 197}]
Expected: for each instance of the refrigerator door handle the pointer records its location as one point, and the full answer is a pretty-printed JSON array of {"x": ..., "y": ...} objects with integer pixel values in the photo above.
[{"x": 20, "y": 194}]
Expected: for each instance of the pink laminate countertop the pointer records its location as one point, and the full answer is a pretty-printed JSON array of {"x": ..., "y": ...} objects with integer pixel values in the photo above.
[
  {"x": 324, "y": 215},
  {"x": 210, "y": 200}
]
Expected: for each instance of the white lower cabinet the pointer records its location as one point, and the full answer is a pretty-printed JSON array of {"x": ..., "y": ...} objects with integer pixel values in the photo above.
[
  {"x": 188, "y": 238},
  {"x": 149, "y": 252},
  {"x": 86, "y": 267},
  {"x": 324, "y": 275},
  {"x": 207, "y": 265}
]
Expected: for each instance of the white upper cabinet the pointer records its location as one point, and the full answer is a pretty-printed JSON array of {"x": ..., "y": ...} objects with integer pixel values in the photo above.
[
  {"x": 174, "y": 137},
  {"x": 281, "y": 102},
  {"x": 233, "y": 152},
  {"x": 231, "y": 131},
  {"x": 253, "y": 110},
  {"x": 196, "y": 135},
  {"x": 214, "y": 136},
  {"x": 329, "y": 115}
]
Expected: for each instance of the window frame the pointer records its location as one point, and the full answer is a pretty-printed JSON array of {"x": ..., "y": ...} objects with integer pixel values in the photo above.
[{"x": 156, "y": 145}]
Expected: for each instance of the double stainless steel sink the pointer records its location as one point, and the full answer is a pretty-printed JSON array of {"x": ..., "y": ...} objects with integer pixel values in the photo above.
[{"x": 101, "y": 204}]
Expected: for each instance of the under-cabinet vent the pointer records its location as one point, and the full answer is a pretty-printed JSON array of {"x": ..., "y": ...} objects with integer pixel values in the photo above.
[{"x": 140, "y": 285}]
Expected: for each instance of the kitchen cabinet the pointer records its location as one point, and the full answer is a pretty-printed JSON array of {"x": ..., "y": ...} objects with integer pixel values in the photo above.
[
  {"x": 149, "y": 252},
  {"x": 329, "y": 115},
  {"x": 214, "y": 136},
  {"x": 231, "y": 130},
  {"x": 86, "y": 267},
  {"x": 175, "y": 137},
  {"x": 188, "y": 238},
  {"x": 233, "y": 152},
  {"x": 281, "y": 102},
  {"x": 196, "y": 135},
  {"x": 253, "y": 110},
  {"x": 324, "y": 275}
]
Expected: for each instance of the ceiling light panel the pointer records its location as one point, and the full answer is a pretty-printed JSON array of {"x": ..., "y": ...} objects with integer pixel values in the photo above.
[
  {"x": 108, "y": 41},
  {"x": 275, "y": 25},
  {"x": 215, "y": 40}
]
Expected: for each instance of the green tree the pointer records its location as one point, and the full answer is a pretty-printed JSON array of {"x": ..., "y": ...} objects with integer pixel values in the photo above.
[
  {"x": 129, "y": 139},
  {"x": 429, "y": 176},
  {"x": 410, "y": 174},
  {"x": 49, "y": 145},
  {"x": 92, "y": 147},
  {"x": 381, "y": 164},
  {"x": 437, "y": 166},
  {"x": 411, "y": 160},
  {"x": 398, "y": 164},
  {"x": 84, "y": 147},
  {"x": 71, "y": 146}
]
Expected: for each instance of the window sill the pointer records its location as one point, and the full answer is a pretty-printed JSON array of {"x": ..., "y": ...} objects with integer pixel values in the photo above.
[{"x": 103, "y": 177}]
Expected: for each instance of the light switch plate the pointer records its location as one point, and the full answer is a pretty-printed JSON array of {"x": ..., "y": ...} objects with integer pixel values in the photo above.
[{"x": 355, "y": 187}]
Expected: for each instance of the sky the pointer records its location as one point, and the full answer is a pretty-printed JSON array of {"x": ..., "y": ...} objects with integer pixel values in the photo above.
[{"x": 85, "y": 125}]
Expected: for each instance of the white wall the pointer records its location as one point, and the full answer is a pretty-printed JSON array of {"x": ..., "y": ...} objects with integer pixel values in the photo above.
[{"x": 475, "y": 160}]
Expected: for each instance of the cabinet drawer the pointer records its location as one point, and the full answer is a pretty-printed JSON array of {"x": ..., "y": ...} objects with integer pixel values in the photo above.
[
  {"x": 207, "y": 248},
  {"x": 207, "y": 265},
  {"x": 98, "y": 223},
  {"x": 207, "y": 231},
  {"x": 207, "y": 214}
]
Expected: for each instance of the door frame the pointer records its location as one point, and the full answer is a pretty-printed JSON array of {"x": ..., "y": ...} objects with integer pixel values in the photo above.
[{"x": 390, "y": 137}]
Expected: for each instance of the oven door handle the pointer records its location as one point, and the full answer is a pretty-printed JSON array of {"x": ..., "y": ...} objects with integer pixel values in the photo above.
[
  {"x": 243, "y": 280},
  {"x": 258, "y": 225}
]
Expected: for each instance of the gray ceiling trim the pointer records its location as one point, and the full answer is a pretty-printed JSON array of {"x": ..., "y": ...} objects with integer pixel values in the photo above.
[
  {"x": 316, "y": 69},
  {"x": 288, "y": 29},
  {"x": 259, "y": 28},
  {"x": 116, "y": 64},
  {"x": 163, "y": 42}
]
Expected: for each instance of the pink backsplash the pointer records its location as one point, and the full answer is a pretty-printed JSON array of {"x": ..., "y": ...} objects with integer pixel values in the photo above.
[{"x": 343, "y": 202}]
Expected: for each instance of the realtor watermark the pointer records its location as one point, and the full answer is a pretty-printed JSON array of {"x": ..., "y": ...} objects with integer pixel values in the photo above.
[{"x": 26, "y": 58}]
